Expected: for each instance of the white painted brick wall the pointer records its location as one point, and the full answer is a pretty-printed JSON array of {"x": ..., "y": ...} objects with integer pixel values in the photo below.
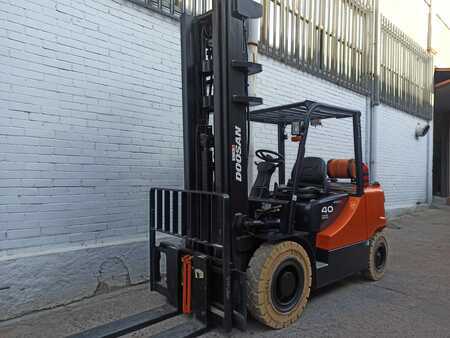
[
  {"x": 90, "y": 118},
  {"x": 401, "y": 159}
]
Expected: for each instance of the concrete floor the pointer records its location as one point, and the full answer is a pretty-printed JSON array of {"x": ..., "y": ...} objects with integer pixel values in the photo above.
[{"x": 413, "y": 299}]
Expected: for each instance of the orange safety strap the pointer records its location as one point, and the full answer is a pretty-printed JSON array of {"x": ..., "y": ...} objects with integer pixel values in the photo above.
[{"x": 187, "y": 276}]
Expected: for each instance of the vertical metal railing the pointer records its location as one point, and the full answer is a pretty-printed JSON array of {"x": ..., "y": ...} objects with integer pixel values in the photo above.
[
  {"x": 406, "y": 72},
  {"x": 168, "y": 7},
  {"x": 196, "y": 7},
  {"x": 337, "y": 40},
  {"x": 325, "y": 37}
]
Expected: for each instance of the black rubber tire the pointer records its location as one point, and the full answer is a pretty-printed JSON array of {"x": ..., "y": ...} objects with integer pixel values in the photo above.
[
  {"x": 376, "y": 271},
  {"x": 261, "y": 269}
]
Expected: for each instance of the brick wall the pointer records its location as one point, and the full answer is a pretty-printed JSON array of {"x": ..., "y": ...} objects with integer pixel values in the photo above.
[
  {"x": 401, "y": 159},
  {"x": 90, "y": 118}
]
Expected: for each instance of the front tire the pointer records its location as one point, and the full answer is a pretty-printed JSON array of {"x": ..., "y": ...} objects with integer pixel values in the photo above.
[
  {"x": 378, "y": 257},
  {"x": 279, "y": 281}
]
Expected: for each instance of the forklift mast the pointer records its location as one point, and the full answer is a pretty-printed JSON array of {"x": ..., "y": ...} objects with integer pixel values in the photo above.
[{"x": 215, "y": 71}]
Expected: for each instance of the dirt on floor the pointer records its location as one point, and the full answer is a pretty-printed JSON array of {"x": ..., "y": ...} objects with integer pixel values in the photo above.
[{"x": 412, "y": 300}]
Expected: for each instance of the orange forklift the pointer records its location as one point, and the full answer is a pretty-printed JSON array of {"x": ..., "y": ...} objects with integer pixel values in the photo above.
[{"x": 260, "y": 251}]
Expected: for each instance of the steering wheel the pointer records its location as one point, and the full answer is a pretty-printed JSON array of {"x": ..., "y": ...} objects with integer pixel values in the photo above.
[{"x": 269, "y": 156}]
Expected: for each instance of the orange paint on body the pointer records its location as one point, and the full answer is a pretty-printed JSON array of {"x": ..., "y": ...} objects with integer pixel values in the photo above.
[{"x": 360, "y": 218}]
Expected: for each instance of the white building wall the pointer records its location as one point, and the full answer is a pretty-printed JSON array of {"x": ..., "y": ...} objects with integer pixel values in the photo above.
[
  {"x": 90, "y": 118},
  {"x": 402, "y": 162}
]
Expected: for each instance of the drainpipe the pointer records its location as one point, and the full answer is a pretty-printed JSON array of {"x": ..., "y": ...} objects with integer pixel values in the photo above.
[
  {"x": 375, "y": 92},
  {"x": 430, "y": 27},
  {"x": 253, "y": 28},
  {"x": 368, "y": 140},
  {"x": 429, "y": 185}
]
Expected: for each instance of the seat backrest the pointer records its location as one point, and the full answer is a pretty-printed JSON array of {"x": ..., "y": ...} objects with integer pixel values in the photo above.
[{"x": 314, "y": 172}]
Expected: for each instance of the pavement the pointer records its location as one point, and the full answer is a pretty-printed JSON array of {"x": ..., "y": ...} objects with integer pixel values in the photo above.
[{"x": 412, "y": 300}]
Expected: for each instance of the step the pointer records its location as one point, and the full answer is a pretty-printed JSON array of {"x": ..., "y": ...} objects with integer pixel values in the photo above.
[
  {"x": 249, "y": 100},
  {"x": 246, "y": 66},
  {"x": 321, "y": 265}
]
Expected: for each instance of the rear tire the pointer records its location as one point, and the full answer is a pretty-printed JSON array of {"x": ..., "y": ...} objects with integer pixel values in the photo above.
[
  {"x": 279, "y": 282},
  {"x": 378, "y": 257}
]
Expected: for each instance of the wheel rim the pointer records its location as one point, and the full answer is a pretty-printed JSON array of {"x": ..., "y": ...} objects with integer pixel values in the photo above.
[
  {"x": 287, "y": 285},
  {"x": 380, "y": 257}
]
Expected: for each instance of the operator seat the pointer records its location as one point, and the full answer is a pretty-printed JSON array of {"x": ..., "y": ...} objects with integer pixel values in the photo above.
[{"x": 313, "y": 177}]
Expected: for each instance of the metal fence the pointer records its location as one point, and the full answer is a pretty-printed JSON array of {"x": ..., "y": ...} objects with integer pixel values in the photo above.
[
  {"x": 406, "y": 72},
  {"x": 196, "y": 7},
  {"x": 172, "y": 8},
  {"x": 324, "y": 37},
  {"x": 342, "y": 41}
]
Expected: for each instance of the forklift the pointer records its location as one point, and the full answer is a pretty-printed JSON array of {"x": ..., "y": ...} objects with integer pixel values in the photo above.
[{"x": 260, "y": 251}]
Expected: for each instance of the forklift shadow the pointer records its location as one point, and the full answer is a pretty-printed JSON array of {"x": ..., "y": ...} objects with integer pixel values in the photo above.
[
  {"x": 256, "y": 329},
  {"x": 339, "y": 285}
]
